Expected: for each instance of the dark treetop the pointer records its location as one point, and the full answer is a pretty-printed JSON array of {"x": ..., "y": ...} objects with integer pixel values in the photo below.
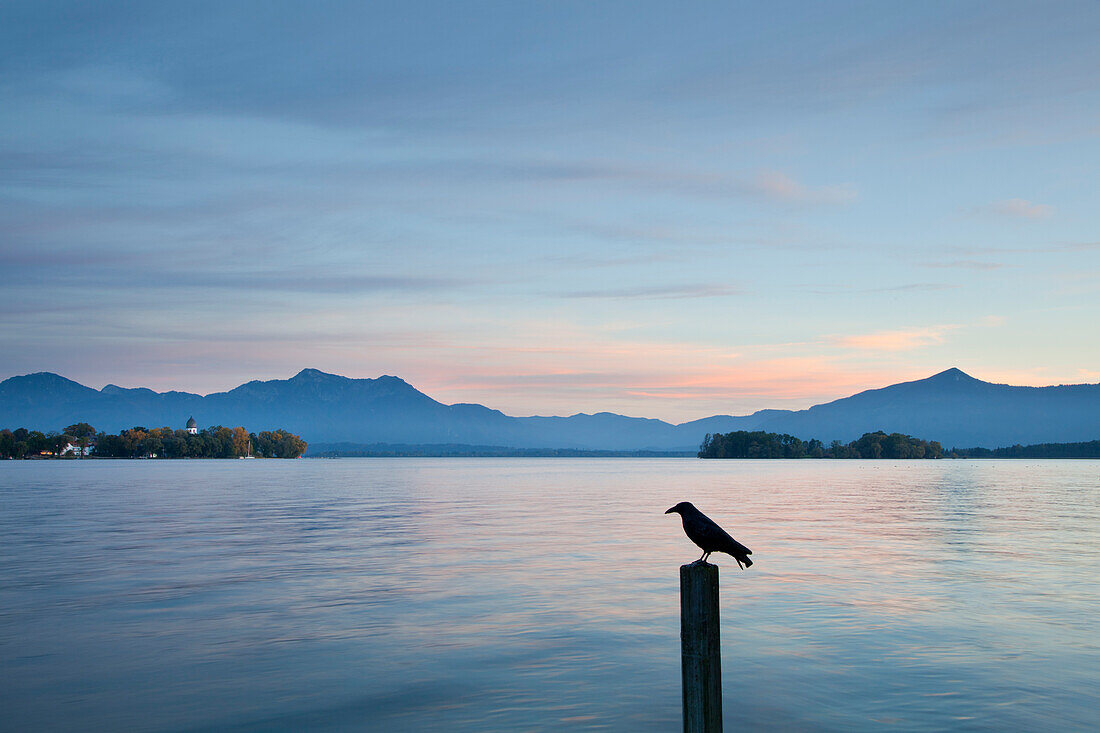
[{"x": 703, "y": 531}]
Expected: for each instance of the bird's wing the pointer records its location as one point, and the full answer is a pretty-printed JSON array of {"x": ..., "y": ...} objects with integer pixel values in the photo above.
[
  {"x": 720, "y": 540},
  {"x": 731, "y": 546}
]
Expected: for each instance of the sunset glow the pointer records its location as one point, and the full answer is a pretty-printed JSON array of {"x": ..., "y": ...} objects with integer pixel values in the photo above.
[{"x": 662, "y": 211}]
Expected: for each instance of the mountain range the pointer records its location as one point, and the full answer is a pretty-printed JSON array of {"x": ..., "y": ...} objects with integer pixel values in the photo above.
[{"x": 951, "y": 407}]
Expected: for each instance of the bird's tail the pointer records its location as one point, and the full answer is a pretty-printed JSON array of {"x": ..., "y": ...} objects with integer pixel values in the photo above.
[{"x": 746, "y": 560}]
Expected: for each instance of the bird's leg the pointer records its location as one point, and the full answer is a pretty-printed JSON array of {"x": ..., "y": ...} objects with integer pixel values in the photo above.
[{"x": 703, "y": 557}]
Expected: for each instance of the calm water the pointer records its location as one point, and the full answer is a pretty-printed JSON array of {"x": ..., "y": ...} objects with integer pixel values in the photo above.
[{"x": 541, "y": 594}]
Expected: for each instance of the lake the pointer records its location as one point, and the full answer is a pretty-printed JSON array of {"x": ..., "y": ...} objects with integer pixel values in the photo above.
[{"x": 542, "y": 594}]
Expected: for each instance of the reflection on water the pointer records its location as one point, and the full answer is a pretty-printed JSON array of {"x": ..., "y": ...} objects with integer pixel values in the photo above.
[{"x": 541, "y": 594}]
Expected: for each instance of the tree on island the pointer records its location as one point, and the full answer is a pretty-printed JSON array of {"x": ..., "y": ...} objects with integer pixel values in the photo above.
[
  {"x": 142, "y": 442},
  {"x": 278, "y": 444},
  {"x": 761, "y": 444},
  {"x": 213, "y": 442},
  {"x": 20, "y": 443}
]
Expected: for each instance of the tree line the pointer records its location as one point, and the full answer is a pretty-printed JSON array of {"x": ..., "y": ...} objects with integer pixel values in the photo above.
[
  {"x": 1089, "y": 449},
  {"x": 141, "y": 442},
  {"x": 761, "y": 444}
]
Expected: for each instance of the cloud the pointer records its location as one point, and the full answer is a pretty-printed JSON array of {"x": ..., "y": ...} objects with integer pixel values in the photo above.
[
  {"x": 1076, "y": 247},
  {"x": 1018, "y": 209},
  {"x": 676, "y": 292},
  {"x": 778, "y": 186},
  {"x": 904, "y": 288},
  {"x": 655, "y": 234},
  {"x": 911, "y": 287},
  {"x": 907, "y": 340},
  {"x": 1089, "y": 375},
  {"x": 311, "y": 282},
  {"x": 667, "y": 385},
  {"x": 965, "y": 265},
  {"x": 88, "y": 271},
  {"x": 1056, "y": 248}
]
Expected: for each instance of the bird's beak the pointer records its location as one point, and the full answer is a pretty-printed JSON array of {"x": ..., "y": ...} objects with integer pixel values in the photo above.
[{"x": 670, "y": 511}]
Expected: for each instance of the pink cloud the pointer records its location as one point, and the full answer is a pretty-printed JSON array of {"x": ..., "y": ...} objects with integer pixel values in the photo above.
[
  {"x": 1089, "y": 375},
  {"x": 906, "y": 340}
]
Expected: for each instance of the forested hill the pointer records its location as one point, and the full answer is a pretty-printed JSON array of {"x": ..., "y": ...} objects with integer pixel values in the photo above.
[{"x": 952, "y": 408}]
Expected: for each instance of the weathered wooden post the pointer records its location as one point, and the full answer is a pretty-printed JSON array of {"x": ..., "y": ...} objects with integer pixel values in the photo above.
[{"x": 700, "y": 648}]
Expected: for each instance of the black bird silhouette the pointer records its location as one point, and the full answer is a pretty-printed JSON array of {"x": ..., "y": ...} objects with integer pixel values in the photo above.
[{"x": 702, "y": 530}]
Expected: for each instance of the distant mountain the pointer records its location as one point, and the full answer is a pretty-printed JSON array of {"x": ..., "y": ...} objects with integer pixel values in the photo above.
[
  {"x": 951, "y": 407},
  {"x": 957, "y": 410}
]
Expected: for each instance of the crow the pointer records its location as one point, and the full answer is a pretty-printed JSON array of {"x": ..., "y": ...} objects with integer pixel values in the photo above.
[{"x": 702, "y": 530}]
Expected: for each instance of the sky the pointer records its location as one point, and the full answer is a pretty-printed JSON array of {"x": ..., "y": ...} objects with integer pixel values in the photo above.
[{"x": 669, "y": 210}]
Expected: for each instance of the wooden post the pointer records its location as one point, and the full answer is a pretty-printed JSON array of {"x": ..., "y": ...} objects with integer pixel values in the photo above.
[{"x": 700, "y": 649}]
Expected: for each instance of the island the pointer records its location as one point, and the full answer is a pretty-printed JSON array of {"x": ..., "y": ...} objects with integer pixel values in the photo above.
[
  {"x": 761, "y": 444},
  {"x": 81, "y": 440}
]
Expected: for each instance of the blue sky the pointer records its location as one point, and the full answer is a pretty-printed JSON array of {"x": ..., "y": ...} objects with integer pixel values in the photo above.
[{"x": 669, "y": 210}]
